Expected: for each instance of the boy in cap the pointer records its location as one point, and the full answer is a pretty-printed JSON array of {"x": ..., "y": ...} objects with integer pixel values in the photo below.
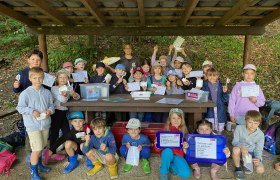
[
  {"x": 118, "y": 84},
  {"x": 142, "y": 142},
  {"x": 239, "y": 105},
  {"x": 99, "y": 77}
]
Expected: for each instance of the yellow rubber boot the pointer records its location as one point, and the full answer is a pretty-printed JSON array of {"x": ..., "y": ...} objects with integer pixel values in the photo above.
[
  {"x": 113, "y": 171},
  {"x": 97, "y": 167}
]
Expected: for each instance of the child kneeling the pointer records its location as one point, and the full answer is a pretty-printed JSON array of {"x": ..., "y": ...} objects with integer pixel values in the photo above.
[
  {"x": 101, "y": 148},
  {"x": 134, "y": 138}
]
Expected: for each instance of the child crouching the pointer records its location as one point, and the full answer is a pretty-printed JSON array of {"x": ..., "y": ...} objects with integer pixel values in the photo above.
[{"x": 101, "y": 148}]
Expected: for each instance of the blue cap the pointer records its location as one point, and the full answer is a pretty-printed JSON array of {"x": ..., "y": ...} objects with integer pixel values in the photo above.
[
  {"x": 171, "y": 72},
  {"x": 120, "y": 66},
  {"x": 76, "y": 115}
]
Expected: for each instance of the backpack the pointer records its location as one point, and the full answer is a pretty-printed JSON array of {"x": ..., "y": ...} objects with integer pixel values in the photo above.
[
  {"x": 15, "y": 139},
  {"x": 270, "y": 138},
  {"x": 6, "y": 160},
  {"x": 274, "y": 106},
  {"x": 5, "y": 146}
]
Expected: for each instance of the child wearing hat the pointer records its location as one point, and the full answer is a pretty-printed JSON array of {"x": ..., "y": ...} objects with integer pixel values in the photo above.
[
  {"x": 142, "y": 142},
  {"x": 164, "y": 60},
  {"x": 173, "y": 83},
  {"x": 238, "y": 105},
  {"x": 205, "y": 66},
  {"x": 157, "y": 78},
  {"x": 68, "y": 66},
  {"x": 80, "y": 68},
  {"x": 118, "y": 84},
  {"x": 100, "y": 76}
]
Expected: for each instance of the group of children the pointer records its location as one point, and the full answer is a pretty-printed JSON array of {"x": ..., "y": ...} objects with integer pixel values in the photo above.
[{"x": 44, "y": 116}]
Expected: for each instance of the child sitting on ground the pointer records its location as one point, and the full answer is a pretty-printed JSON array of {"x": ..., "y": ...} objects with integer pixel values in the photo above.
[
  {"x": 142, "y": 142},
  {"x": 36, "y": 105},
  {"x": 101, "y": 148},
  {"x": 248, "y": 139},
  {"x": 75, "y": 140},
  {"x": 238, "y": 105},
  {"x": 205, "y": 127}
]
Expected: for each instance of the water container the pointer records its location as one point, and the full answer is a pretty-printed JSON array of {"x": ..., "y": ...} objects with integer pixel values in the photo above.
[{"x": 94, "y": 90}]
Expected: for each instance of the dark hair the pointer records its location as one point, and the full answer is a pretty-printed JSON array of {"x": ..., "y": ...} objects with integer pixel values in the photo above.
[
  {"x": 35, "y": 52},
  {"x": 203, "y": 122},
  {"x": 97, "y": 122},
  {"x": 186, "y": 63},
  {"x": 146, "y": 62}
]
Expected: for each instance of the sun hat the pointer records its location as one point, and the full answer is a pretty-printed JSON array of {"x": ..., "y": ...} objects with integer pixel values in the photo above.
[
  {"x": 178, "y": 58},
  {"x": 250, "y": 66},
  {"x": 80, "y": 60},
  {"x": 67, "y": 64},
  {"x": 156, "y": 63},
  {"x": 176, "y": 110},
  {"x": 62, "y": 71},
  {"x": 207, "y": 62},
  {"x": 133, "y": 123}
]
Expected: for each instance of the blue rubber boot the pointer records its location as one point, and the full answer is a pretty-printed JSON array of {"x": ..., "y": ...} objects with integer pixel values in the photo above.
[
  {"x": 73, "y": 163},
  {"x": 89, "y": 164},
  {"x": 41, "y": 167},
  {"x": 34, "y": 172}
]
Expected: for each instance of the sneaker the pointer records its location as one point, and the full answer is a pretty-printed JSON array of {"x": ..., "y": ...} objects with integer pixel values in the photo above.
[
  {"x": 239, "y": 175},
  {"x": 146, "y": 166},
  {"x": 247, "y": 171},
  {"x": 127, "y": 167}
]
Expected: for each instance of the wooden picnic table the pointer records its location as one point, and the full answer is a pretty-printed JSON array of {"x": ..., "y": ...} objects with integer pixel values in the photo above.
[{"x": 194, "y": 110}]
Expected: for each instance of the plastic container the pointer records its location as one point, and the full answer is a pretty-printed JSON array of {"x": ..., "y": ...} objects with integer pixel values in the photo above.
[
  {"x": 198, "y": 97},
  {"x": 94, "y": 90},
  {"x": 141, "y": 95}
]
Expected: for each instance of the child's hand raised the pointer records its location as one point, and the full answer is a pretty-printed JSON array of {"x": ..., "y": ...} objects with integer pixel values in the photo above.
[
  {"x": 16, "y": 84},
  {"x": 253, "y": 99},
  {"x": 185, "y": 145},
  {"x": 155, "y": 48},
  {"x": 103, "y": 146}
]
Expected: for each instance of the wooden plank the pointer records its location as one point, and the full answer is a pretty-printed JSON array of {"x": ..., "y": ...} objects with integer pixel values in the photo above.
[
  {"x": 44, "y": 7},
  {"x": 274, "y": 15},
  {"x": 238, "y": 7},
  {"x": 91, "y": 6},
  {"x": 151, "y": 31},
  {"x": 17, "y": 16},
  {"x": 43, "y": 47},
  {"x": 7, "y": 113},
  {"x": 206, "y": 8},
  {"x": 140, "y": 5},
  {"x": 190, "y": 5},
  {"x": 262, "y": 8},
  {"x": 247, "y": 49}
]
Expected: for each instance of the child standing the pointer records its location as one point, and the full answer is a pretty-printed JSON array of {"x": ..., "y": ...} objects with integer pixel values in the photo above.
[
  {"x": 118, "y": 85},
  {"x": 238, "y": 105},
  {"x": 205, "y": 127},
  {"x": 146, "y": 70},
  {"x": 219, "y": 95},
  {"x": 36, "y": 105},
  {"x": 142, "y": 142},
  {"x": 188, "y": 82},
  {"x": 101, "y": 148},
  {"x": 80, "y": 66},
  {"x": 99, "y": 77},
  {"x": 205, "y": 66},
  {"x": 164, "y": 60},
  {"x": 173, "y": 157},
  {"x": 173, "y": 83},
  {"x": 248, "y": 139},
  {"x": 68, "y": 66}
]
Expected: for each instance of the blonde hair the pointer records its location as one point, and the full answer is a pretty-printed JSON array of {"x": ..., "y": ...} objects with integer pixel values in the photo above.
[
  {"x": 36, "y": 70},
  {"x": 153, "y": 68},
  {"x": 98, "y": 123},
  {"x": 254, "y": 115},
  {"x": 183, "y": 128}
]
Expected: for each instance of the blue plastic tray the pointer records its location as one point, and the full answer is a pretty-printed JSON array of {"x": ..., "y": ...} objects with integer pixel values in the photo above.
[
  {"x": 191, "y": 151},
  {"x": 158, "y": 134}
]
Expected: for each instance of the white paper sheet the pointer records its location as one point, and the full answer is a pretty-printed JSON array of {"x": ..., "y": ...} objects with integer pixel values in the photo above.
[
  {"x": 175, "y": 101},
  {"x": 169, "y": 140},
  {"x": 205, "y": 148},
  {"x": 178, "y": 42},
  {"x": 247, "y": 91},
  {"x": 42, "y": 116},
  {"x": 196, "y": 74},
  {"x": 48, "y": 80},
  {"x": 80, "y": 134},
  {"x": 63, "y": 89},
  {"x": 133, "y": 86},
  {"x": 248, "y": 162},
  {"x": 133, "y": 156},
  {"x": 78, "y": 77},
  {"x": 160, "y": 90},
  {"x": 18, "y": 77}
]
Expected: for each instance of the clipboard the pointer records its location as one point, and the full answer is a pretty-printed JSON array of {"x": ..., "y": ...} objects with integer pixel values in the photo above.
[{"x": 166, "y": 139}]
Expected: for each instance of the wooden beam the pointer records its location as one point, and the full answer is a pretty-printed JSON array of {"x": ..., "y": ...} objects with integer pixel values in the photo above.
[
  {"x": 43, "y": 47},
  {"x": 247, "y": 49},
  {"x": 17, "y": 16},
  {"x": 210, "y": 8},
  {"x": 44, "y": 7},
  {"x": 238, "y": 7},
  {"x": 91, "y": 6},
  {"x": 274, "y": 15},
  {"x": 262, "y": 8},
  {"x": 151, "y": 31},
  {"x": 190, "y": 5},
  {"x": 141, "y": 13}
]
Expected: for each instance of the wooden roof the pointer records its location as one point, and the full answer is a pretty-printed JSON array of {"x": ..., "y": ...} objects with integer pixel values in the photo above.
[{"x": 144, "y": 17}]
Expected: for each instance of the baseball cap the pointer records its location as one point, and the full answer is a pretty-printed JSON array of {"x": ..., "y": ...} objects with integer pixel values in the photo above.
[
  {"x": 133, "y": 123},
  {"x": 138, "y": 69},
  {"x": 63, "y": 71},
  {"x": 100, "y": 64},
  {"x": 76, "y": 115},
  {"x": 156, "y": 63},
  {"x": 207, "y": 62},
  {"x": 67, "y": 64},
  {"x": 180, "y": 59},
  {"x": 80, "y": 60},
  {"x": 250, "y": 66},
  {"x": 171, "y": 72},
  {"x": 120, "y": 66}
]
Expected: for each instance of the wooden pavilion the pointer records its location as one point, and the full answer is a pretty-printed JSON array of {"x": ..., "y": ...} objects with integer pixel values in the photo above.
[{"x": 143, "y": 18}]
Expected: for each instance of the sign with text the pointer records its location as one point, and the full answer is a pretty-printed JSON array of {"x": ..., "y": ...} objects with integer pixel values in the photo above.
[{"x": 169, "y": 139}]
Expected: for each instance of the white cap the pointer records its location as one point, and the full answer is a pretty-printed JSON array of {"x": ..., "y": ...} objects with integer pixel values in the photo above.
[{"x": 133, "y": 123}]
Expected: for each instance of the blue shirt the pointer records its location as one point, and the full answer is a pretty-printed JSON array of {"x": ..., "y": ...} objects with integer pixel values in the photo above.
[{"x": 143, "y": 140}]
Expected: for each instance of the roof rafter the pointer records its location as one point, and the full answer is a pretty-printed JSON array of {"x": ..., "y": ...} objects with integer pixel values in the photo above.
[
  {"x": 241, "y": 5},
  {"x": 269, "y": 18},
  {"x": 51, "y": 12},
  {"x": 17, "y": 16},
  {"x": 190, "y": 6},
  {"x": 91, "y": 6},
  {"x": 140, "y": 5}
]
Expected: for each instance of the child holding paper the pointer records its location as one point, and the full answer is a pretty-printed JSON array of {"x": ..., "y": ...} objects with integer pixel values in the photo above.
[
  {"x": 118, "y": 84},
  {"x": 164, "y": 60},
  {"x": 68, "y": 66},
  {"x": 157, "y": 78},
  {"x": 205, "y": 66},
  {"x": 248, "y": 141},
  {"x": 61, "y": 94},
  {"x": 173, "y": 158},
  {"x": 135, "y": 139},
  {"x": 101, "y": 148},
  {"x": 80, "y": 68},
  {"x": 99, "y": 77},
  {"x": 75, "y": 140},
  {"x": 173, "y": 83},
  {"x": 187, "y": 81},
  {"x": 219, "y": 95},
  {"x": 205, "y": 127},
  {"x": 146, "y": 70},
  {"x": 239, "y": 105}
]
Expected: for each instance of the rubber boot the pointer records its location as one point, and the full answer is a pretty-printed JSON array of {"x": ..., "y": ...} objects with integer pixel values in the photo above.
[
  {"x": 97, "y": 167},
  {"x": 73, "y": 163},
  {"x": 214, "y": 169},
  {"x": 41, "y": 167},
  {"x": 89, "y": 164},
  {"x": 34, "y": 172},
  {"x": 113, "y": 171},
  {"x": 196, "y": 172}
]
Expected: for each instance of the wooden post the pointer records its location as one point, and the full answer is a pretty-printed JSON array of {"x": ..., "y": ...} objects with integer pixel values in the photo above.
[
  {"x": 247, "y": 49},
  {"x": 43, "y": 47}
]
